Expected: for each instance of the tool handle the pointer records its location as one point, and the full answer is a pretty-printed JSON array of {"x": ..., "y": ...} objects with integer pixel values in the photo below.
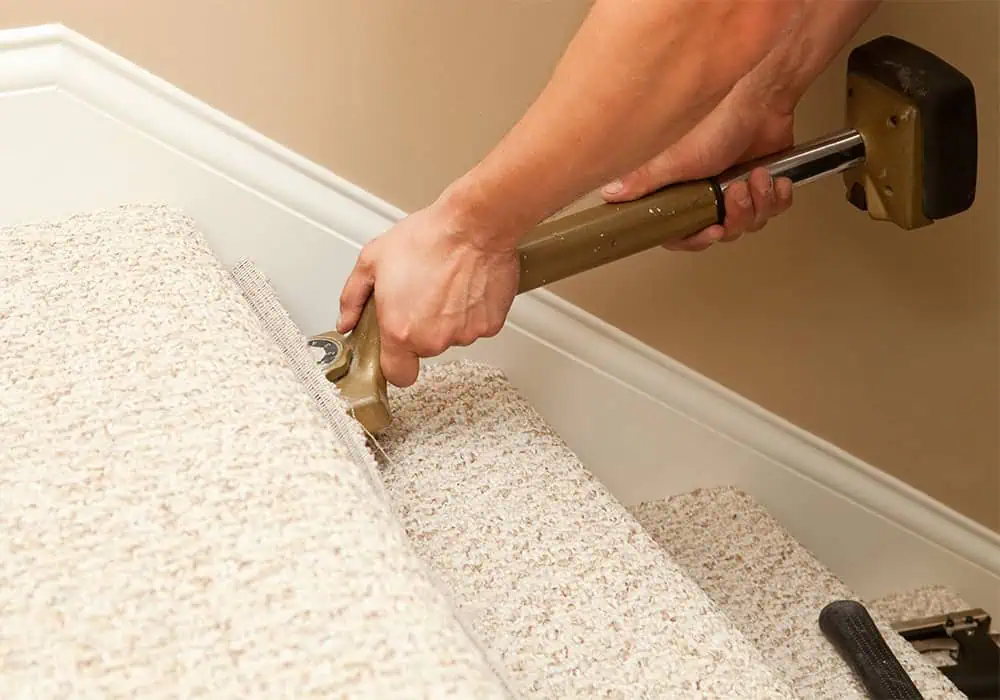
[
  {"x": 851, "y": 630},
  {"x": 579, "y": 242}
]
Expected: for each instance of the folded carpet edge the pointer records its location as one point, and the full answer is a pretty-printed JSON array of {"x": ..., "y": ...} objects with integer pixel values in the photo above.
[{"x": 261, "y": 297}]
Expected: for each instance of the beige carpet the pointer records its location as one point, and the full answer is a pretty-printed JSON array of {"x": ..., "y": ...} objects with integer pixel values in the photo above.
[
  {"x": 562, "y": 583},
  {"x": 177, "y": 518},
  {"x": 569, "y": 593},
  {"x": 920, "y": 602},
  {"x": 772, "y": 588},
  {"x": 555, "y": 575},
  {"x": 184, "y": 512}
]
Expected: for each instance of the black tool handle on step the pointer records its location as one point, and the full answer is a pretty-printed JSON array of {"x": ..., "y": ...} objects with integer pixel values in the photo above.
[{"x": 849, "y": 627}]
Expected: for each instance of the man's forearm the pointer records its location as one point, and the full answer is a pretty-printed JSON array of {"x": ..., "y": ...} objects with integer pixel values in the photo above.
[
  {"x": 636, "y": 77},
  {"x": 825, "y": 27}
]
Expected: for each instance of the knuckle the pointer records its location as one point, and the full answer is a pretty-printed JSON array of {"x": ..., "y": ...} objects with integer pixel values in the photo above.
[
  {"x": 396, "y": 333},
  {"x": 740, "y": 199},
  {"x": 435, "y": 346},
  {"x": 493, "y": 327},
  {"x": 440, "y": 343},
  {"x": 770, "y": 197},
  {"x": 429, "y": 344},
  {"x": 404, "y": 335},
  {"x": 367, "y": 255}
]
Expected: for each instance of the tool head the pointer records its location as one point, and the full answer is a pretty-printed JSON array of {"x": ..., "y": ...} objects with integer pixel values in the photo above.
[
  {"x": 353, "y": 363},
  {"x": 917, "y": 116}
]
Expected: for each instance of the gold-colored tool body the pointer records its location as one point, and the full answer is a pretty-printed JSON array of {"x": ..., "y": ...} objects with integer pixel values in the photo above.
[
  {"x": 908, "y": 154},
  {"x": 579, "y": 242},
  {"x": 353, "y": 363},
  {"x": 917, "y": 116}
]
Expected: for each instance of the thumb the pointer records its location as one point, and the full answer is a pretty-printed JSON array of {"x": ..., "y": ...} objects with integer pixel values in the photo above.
[
  {"x": 356, "y": 291},
  {"x": 663, "y": 169},
  {"x": 702, "y": 152}
]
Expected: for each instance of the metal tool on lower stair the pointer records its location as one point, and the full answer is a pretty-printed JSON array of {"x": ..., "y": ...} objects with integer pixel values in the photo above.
[
  {"x": 908, "y": 154},
  {"x": 966, "y": 633}
]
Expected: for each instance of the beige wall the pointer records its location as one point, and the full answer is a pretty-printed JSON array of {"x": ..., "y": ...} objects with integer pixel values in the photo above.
[{"x": 882, "y": 341}]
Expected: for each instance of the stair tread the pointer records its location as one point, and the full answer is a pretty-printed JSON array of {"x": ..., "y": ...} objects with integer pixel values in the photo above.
[
  {"x": 178, "y": 519},
  {"x": 919, "y": 602},
  {"x": 546, "y": 567},
  {"x": 550, "y": 569},
  {"x": 771, "y": 587}
]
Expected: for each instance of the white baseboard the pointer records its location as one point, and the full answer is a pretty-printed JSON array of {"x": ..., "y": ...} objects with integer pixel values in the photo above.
[{"x": 82, "y": 128}]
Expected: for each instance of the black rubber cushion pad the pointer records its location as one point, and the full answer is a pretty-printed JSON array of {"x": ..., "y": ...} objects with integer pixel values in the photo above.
[{"x": 947, "y": 102}]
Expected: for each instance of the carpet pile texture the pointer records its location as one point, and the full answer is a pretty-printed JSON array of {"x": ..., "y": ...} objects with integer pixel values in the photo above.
[
  {"x": 772, "y": 588},
  {"x": 186, "y": 509},
  {"x": 562, "y": 585},
  {"x": 177, "y": 517}
]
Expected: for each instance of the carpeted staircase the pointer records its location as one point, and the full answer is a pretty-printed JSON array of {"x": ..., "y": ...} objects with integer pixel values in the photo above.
[{"x": 187, "y": 512}]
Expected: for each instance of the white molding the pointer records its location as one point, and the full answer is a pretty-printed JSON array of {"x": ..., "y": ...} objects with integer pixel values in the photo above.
[
  {"x": 679, "y": 388},
  {"x": 681, "y": 430}
]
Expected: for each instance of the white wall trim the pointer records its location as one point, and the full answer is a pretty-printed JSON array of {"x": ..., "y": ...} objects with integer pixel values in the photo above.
[
  {"x": 778, "y": 462},
  {"x": 676, "y": 386}
]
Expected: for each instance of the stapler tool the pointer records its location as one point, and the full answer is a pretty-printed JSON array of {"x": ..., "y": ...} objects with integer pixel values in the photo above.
[
  {"x": 907, "y": 153},
  {"x": 966, "y": 634}
]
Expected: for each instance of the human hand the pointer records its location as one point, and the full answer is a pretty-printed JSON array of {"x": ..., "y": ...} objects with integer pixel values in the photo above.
[
  {"x": 754, "y": 119},
  {"x": 739, "y": 129},
  {"x": 435, "y": 286}
]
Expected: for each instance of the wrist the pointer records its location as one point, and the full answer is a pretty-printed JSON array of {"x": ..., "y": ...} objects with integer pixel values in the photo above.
[
  {"x": 480, "y": 214},
  {"x": 807, "y": 50}
]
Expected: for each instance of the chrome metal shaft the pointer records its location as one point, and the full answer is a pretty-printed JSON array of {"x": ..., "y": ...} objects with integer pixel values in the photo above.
[{"x": 807, "y": 162}]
